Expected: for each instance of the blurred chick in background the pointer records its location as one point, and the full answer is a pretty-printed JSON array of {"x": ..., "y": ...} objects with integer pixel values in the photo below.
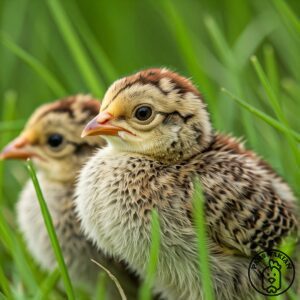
[
  {"x": 159, "y": 139},
  {"x": 52, "y": 139}
]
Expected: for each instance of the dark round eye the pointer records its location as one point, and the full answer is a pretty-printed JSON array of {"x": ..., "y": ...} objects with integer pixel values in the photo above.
[
  {"x": 143, "y": 113},
  {"x": 55, "y": 140}
]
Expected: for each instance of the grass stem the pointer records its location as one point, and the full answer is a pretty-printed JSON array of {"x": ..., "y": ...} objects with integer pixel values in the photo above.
[
  {"x": 204, "y": 261},
  {"x": 51, "y": 232},
  {"x": 271, "y": 121},
  {"x": 44, "y": 73},
  {"x": 145, "y": 292},
  {"x": 70, "y": 36}
]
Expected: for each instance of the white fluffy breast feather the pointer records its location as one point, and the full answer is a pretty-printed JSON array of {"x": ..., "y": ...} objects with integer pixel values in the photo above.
[{"x": 99, "y": 201}]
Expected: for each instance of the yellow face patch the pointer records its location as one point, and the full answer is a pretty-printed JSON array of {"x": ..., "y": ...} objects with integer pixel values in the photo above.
[
  {"x": 30, "y": 135},
  {"x": 116, "y": 108}
]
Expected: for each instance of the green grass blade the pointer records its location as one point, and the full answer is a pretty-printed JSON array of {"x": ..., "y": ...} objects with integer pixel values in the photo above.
[
  {"x": 234, "y": 79},
  {"x": 32, "y": 62},
  {"x": 146, "y": 289},
  {"x": 5, "y": 285},
  {"x": 48, "y": 285},
  {"x": 199, "y": 218},
  {"x": 75, "y": 47},
  {"x": 225, "y": 56},
  {"x": 23, "y": 266},
  {"x": 93, "y": 46},
  {"x": 13, "y": 247},
  {"x": 51, "y": 232},
  {"x": 219, "y": 42},
  {"x": 292, "y": 88},
  {"x": 288, "y": 15},
  {"x": 271, "y": 68},
  {"x": 271, "y": 121},
  {"x": 252, "y": 36},
  {"x": 276, "y": 107},
  {"x": 270, "y": 92},
  {"x": 6, "y": 239}
]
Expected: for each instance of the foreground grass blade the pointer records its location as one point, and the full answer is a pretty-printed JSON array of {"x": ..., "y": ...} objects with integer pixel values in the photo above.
[
  {"x": 274, "y": 123},
  {"x": 7, "y": 236},
  {"x": 199, "y": 218},
  {"x": 146, "y": 289},
  {"x": 51, "y": 232},
  {"x": 5, "y": 285},
  {"x": 48, "y": 77},
  {"x": 14, "y": 248},
  {"x": 75, "y": 47}
]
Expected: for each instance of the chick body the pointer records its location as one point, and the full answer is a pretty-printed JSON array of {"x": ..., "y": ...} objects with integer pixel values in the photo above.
[
  {"x": 52, "y": 139},
  {"x": 76, "y": 249},
  {"x": 247, "y": 206}
]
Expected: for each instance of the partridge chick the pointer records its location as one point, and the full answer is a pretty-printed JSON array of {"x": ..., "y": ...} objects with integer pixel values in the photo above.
[
  {"x": 159, "y": 138},
  {"x": 52, "y": 139}
]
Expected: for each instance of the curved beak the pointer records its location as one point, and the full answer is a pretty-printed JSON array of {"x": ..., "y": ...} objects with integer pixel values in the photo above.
[
  {"x": 17, "y": 149},
  {"x": 100, "y": 126}
]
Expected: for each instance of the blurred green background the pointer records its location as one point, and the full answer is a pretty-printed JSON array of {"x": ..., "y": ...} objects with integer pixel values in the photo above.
[{"x": 52, "y": 48}]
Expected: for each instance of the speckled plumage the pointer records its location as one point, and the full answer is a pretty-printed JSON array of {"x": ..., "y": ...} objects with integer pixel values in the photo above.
[
  {"x": 152, "y": 164},
  {"x": 57, "y": 169}
]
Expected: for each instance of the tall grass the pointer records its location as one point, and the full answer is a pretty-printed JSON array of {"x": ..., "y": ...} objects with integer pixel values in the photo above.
[
  {"x": 53, "y": 83},
  {"x": 146, "y": 289},
  {"x": 75, "y": 47},
  {"x": 271, "y": 121},
  {"x": 51, "y": 232},
  {"x": 89, "y": 44},
  {"x": 204, "y": 262}
]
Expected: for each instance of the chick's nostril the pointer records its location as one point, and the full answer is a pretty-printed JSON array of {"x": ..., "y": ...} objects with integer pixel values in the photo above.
[
  {"x": 20, "y": 142},
  {"x": 104, "y": 117}
]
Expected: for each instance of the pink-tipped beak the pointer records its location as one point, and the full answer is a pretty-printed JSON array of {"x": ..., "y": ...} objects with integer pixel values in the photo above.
[
  {"x": 16, "y": 149},
  {"x": 100, "y": 126}
]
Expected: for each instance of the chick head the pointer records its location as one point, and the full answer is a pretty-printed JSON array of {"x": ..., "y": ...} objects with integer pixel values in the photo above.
[
  {"x": 155, "y": 112},
  {"x": 51, "y": 137}
]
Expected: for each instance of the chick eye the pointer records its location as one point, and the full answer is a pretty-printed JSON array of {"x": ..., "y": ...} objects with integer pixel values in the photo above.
[
  {"x": 143, "y": 113},
  {"x": 55, "y": 140}
]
